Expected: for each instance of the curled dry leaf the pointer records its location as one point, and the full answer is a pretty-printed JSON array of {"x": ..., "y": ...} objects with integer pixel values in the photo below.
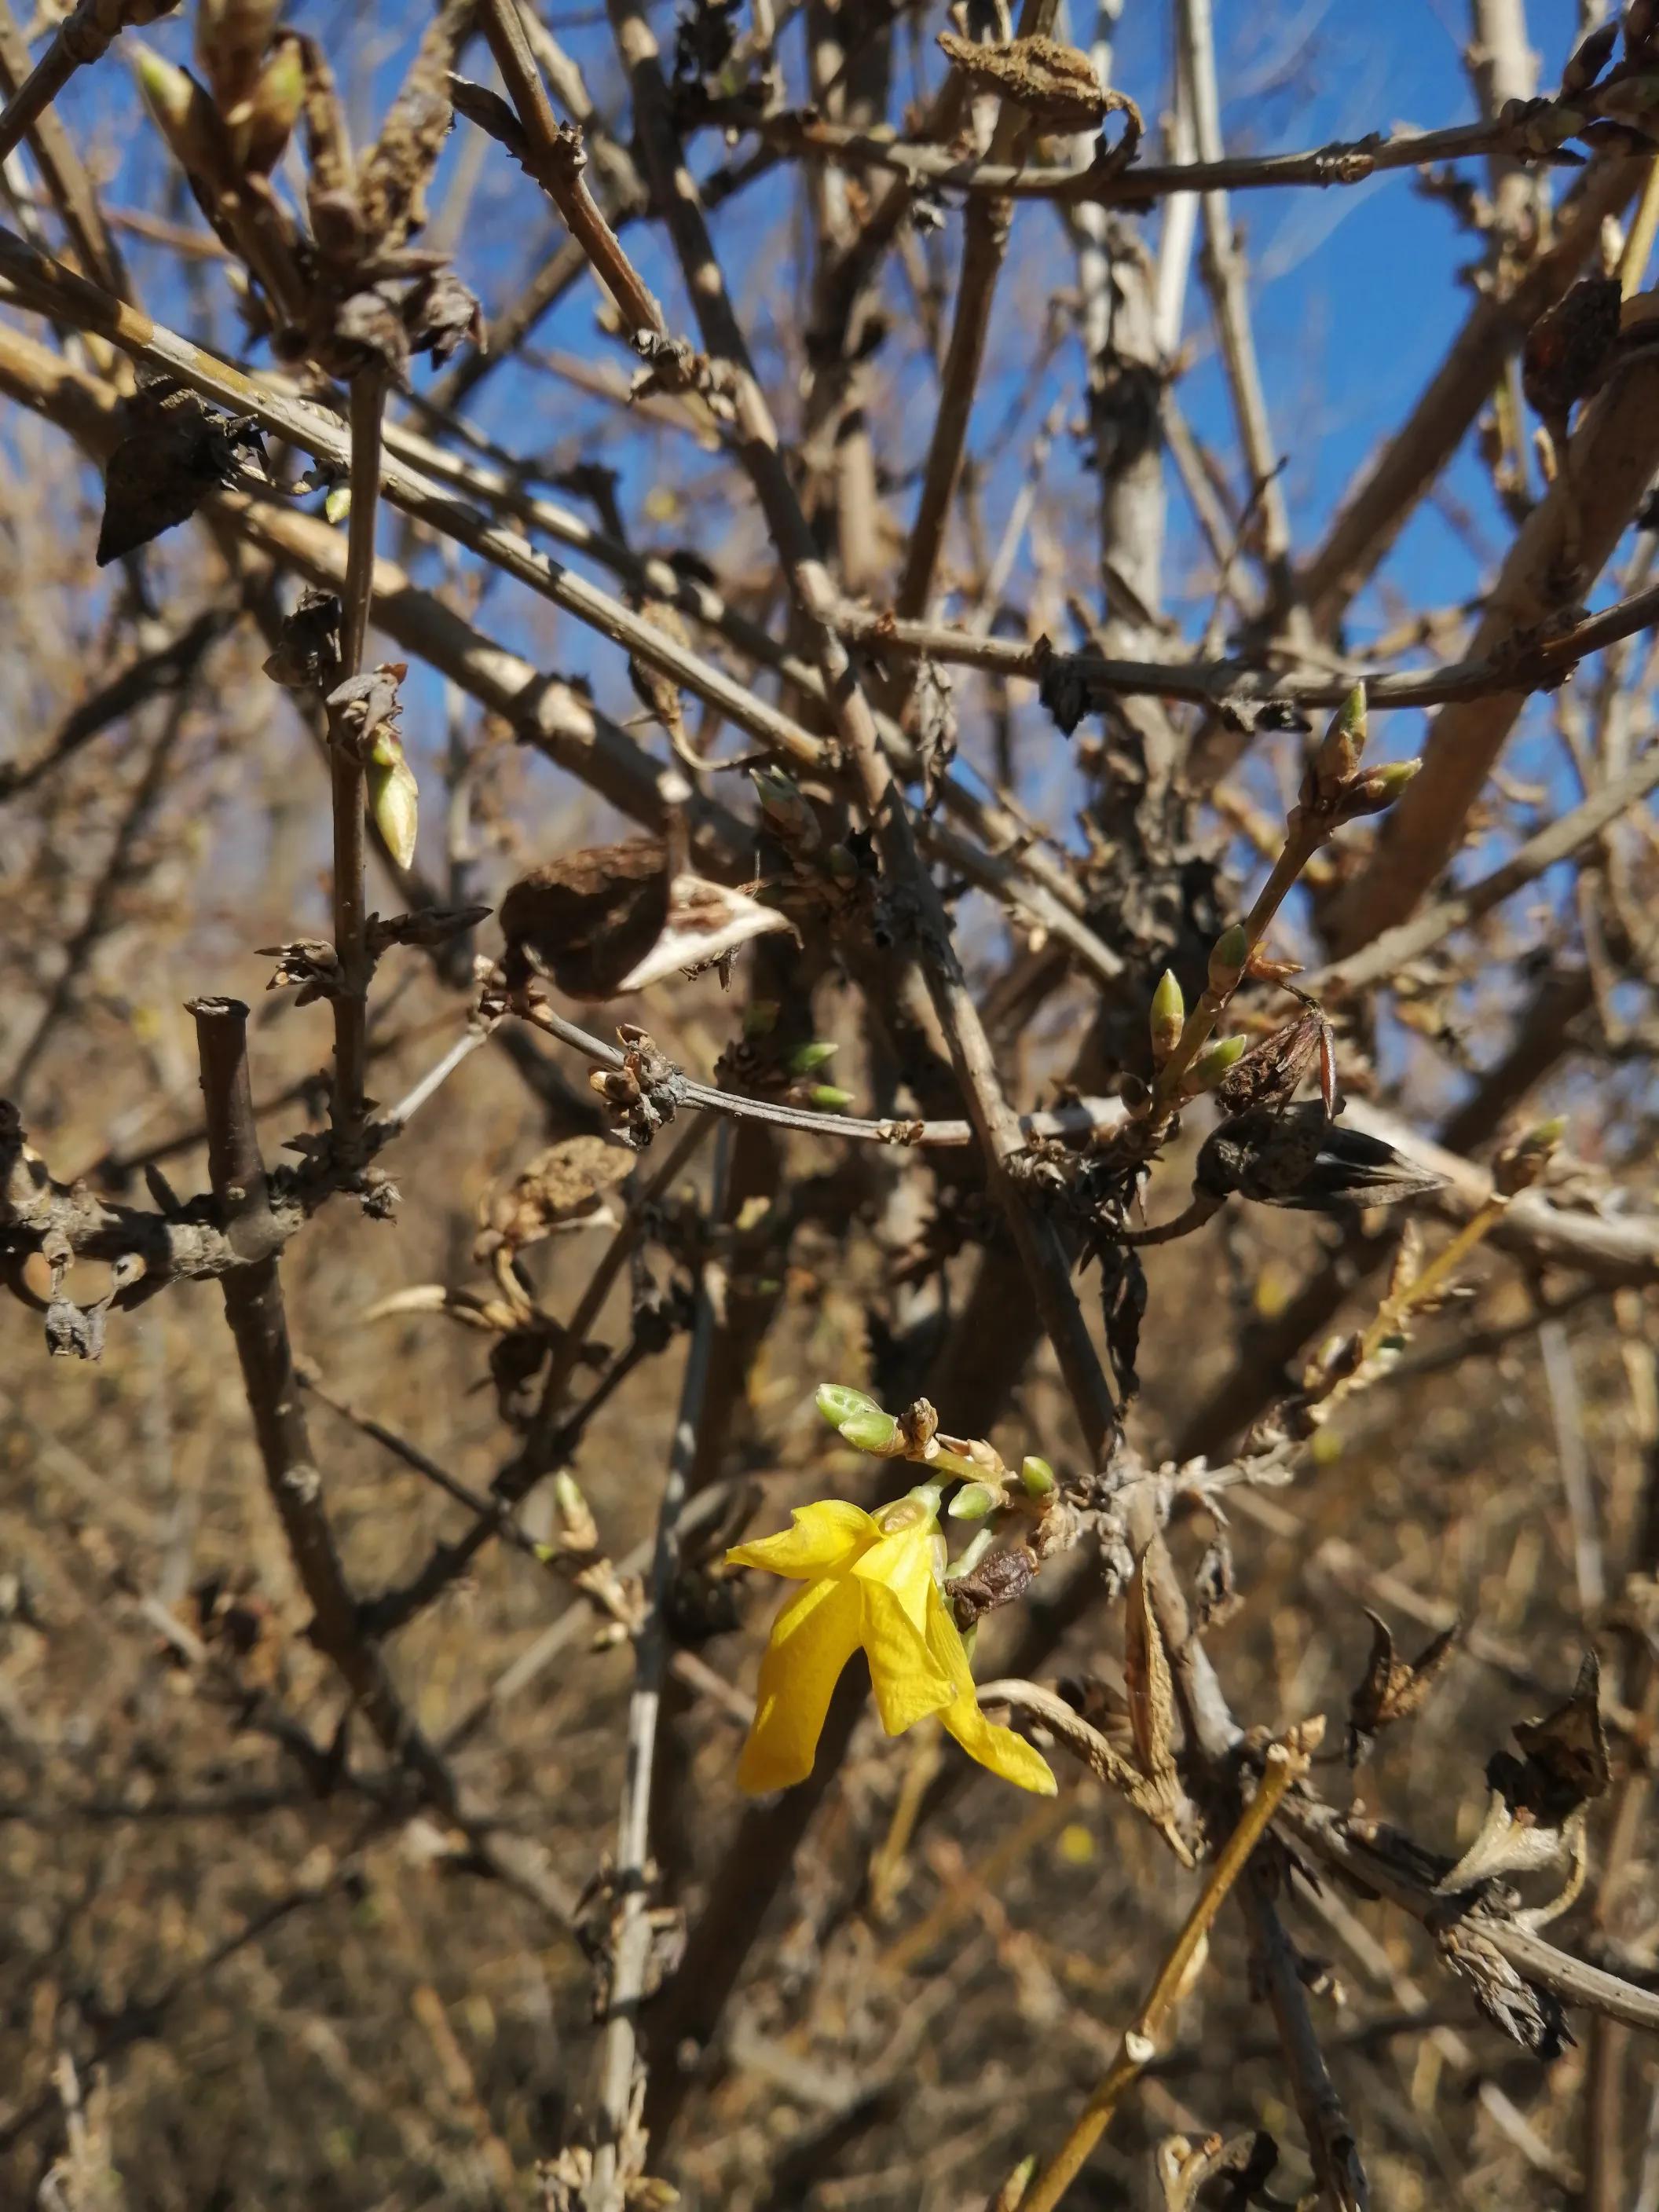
[
  {"x": 1184, "y": 2168},
  {"x": 1152, "y": 1704},
  {"x": 1393, "y": 1688},
  {"x": 562, "y": 1188},
  {"x": 1054, "y": 84}
]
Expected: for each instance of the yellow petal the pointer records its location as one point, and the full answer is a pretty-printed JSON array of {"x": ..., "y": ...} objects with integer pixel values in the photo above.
[
  {"x": 903, "y": 1564},
  {"x": 825, "y": 1536},
  {"x": 813, "y": 1639},
  {"x": 907, "y": 1679},
  {"x": 1006, "y": 1753}
]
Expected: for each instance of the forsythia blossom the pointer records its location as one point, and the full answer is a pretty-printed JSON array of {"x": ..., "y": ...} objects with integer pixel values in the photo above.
[{"x": 870, "y": 1584}]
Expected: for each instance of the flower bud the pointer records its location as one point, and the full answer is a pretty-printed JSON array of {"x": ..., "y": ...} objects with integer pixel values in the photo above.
[
  {"x": 760, "y": 1018},
  {"x": 858, "y": 1419},
  {"x": 1169, "y": 1017},
  {"x": 1376, "y": 789},
  {"x": 577, "y": 1527},
  {"x": 1519, "y": 1165},
  {"x": 1036, "y": 1476},
  {"x": 262, "y": 126},
  {"x": 394, "y": 799},
  {"x": 1341, "y": 746},
  {"x": 829, "y": 1099},
  {"x": 1228, "y": 956},
  {"x": 974, "y": 1501},
  {"x": 337, "y": 504},
  {"x": 186, "y": 117},
  {"x": 1212, "y": 1063},
  {"x": 807, "y": 1059},
  {"x": 231, "y": 38}
]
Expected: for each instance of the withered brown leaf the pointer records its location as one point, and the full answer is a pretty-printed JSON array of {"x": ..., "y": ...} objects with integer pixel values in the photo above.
[
  {"x": 1393, "y": 1688},
  {"x": 1056, "y": 84},
  {"x": 1566, "y": 1751},
  {"x": 1151, "y": 1695},
  {"x": 177, "y": 453}
]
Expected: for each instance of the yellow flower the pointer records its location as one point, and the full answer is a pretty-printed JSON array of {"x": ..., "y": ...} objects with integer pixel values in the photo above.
[{"x": 870, "y": 1584}]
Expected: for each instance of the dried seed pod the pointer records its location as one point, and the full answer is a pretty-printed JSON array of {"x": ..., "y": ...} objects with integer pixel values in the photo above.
[{"x": 1299, "y": 1157}]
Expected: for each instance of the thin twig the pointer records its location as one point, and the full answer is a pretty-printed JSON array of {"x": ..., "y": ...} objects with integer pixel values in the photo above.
[
  {"x": 631, "y": 1940},
  {"x": 1139, "y": 2044}
]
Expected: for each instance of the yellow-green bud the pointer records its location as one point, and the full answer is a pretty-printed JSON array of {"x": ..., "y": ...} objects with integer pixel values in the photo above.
[
  {"x": 807, "y": 1059},
  {"x": 858, "y": 1419},
  {"x": 829, "y": 1099},
  {"x": 1037, "y": 1477},
  {"x": 336, "y": 505},
  {"x": 1342, "y": 745},
  {"x": 186, "y": 117},
  {"x": 1376, "y": 790},
  {"x": 394, "y": 799},
  {"x": 1228, "y": 957},
  {"x": 974, "y": 1501},
  {"x": 1212, "y": 1063},
  {"x": 1169, "y": 1017},
  {"x": 262, "y": 126}
]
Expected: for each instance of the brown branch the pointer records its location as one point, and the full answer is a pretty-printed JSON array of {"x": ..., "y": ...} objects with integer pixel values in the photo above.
[
  {"x": 1332, "y": 2150},
  {"x": 1575, "y": 833},
  {"x": 259, "y": 1324},
  {"x": 1612, "y": 459},
  {"x": 1343, "y": 162}
]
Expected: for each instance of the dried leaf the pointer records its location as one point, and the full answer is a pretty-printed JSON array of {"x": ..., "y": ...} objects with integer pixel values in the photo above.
[
  {"x": 1184, "y": 2168},
  {"x": 1123, "y": 1308},
  {"x": 561, "y": 1187},
  {"x": 1054, "y": 84},
  {"x": 1566, "y": 1751},
  {"x": 1394, "y": 1689},
  {"x": 1150, "y": 1691},
  {"x": 178, "y": 453}
]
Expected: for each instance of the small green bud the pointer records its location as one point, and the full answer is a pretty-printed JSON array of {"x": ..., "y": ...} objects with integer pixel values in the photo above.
[
  {"x": 1038, "y": 1476},
  {"x": 858, "y": 1419},
  {"x": 1341, "y": 746},
  {"x": 337, "y": 505},
  {"x": 1376, "y": 789},
  {"x": 974, "y": 1501},
  {"x": 1169, "y": 1017},
  {"x": 828, "y": 1099},
  {"x": 1545, "y": 1136},
  {"x": 1212, "y": 1063},
  {"x": 394, "y": 801},
  {"x": 1228, "y": 957},
  {"x": 760, "y": 1018},
  {"x": 807, "y": 1059}
]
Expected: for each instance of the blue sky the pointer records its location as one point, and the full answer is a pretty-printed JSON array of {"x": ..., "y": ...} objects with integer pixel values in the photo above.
[{"x": 1356, "y": 291}]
